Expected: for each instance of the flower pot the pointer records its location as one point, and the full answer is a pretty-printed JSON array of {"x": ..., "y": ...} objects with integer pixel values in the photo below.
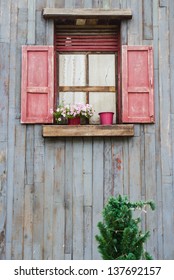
[
  {"x": 106, "y": 118},
  {"x": 74, "y": 121},
  {"x": 84, "y": 121}
]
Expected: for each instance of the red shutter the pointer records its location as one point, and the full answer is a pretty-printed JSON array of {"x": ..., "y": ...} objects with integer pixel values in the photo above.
[
  {"x": 137, "y": 84},
  {"x": 37, "y": 84}
]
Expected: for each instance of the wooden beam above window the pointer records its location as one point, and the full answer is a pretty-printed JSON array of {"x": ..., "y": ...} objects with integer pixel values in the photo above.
[{"x": 87, "y": 13}]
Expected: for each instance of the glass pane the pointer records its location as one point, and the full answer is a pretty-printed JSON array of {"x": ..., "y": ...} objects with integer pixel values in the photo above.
[
  {"x": 72, "y": 97},
  {"x": 72, "y": 70},
  {"x": 102, "y": 102},
  {"x": 102, "y": 70}
]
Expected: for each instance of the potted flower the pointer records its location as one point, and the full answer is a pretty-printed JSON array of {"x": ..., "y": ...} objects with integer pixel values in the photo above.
[{"x": 73, "y": 113}]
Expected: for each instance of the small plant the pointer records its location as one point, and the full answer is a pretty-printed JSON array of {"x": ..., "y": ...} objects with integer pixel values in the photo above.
[
  {"x": 73, "y": 110},
  {"x": 120, "y": 237}
]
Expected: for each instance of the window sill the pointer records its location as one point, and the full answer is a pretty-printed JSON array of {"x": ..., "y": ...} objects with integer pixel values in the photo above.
[{"x": 87, "y": 130}]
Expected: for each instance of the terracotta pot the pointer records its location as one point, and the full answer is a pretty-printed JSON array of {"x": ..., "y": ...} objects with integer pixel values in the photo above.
[
  {"x": 74, "y": 121},
  {"x": 106, "y": 118}
]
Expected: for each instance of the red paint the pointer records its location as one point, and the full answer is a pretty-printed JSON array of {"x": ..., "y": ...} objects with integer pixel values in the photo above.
[
  {"x": 86, "y": 42},
  {"x": 74, "y": 121},
  {"x": 106, "y": 118},
  {"x": 137, "y": 84},
  {"x": 37, "y": 88}
]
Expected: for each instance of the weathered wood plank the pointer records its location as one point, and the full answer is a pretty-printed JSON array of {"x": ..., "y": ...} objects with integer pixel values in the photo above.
[
  {"x": 11, "y": 128},
  {"x": 147, "y": 19},
  {"x": 118, "y": 161},
  {"x": 108, "y": 178},
  {"x": 151, "y": 191},
  {"x": 135, "y": 25},
  {"x": 5, "y": 8},
  {"x": 87, "y": 13},
  {"x": 3, "y": 187},
  {"x": 78, "y": 196},
  {"x": 163, "y": 3},
  {"x": 38, "y": 194},
  {"x": 87, "y": 171},
  {"x": 58, "y": 202},
  {"x": 68, "y": 198},
  {"x": 31, "y": 21},
  {"x": 98, "y": 183},
  {"x": 28, "y": 222},
  {"x": 48, "y": 199},
  {"x": 87, "y": 3},
  {"x": 60, "y": 4},
  {"x": 4, "y": 87},
  {"x": 165, "y": 135},
  {"x": 87, "y": 88},
  {"x": 18, "y": 194},
  {"x": 87, "y": 232},
  {"x": 87, "y": 130}
]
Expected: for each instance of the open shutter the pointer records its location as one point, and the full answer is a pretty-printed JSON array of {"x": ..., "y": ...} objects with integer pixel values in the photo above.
[
  {"x": 37, "y": 90},
  {"x": 137, "y": 84}
]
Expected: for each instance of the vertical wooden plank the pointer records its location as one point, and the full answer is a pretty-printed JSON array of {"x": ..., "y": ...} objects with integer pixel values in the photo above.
[
  {"x": 165, "y": 128},
  {"x": 38, "y": 194},
  {"x": 48, "y": 199},
  {"x": 60, "y": 4},
  {"x": 69, "y": 3},
  {"x": 163, "y": 3},
  {"x": 98, "y": 182},
  {"x": 50, "y": 25},
  {"x": 171, "y": 42},
  {"x": 68, "y": 197},
  {"x": 11, "y": 128},
  {"x": 31, "y": 21},
  {"x": 134, "y": 169},
  {"x": 135, "y": 25},
  {"x": 107, "y": 169},
  {"x": 118, "y": 166},
  {"x": 106, "y": 4},
  {"x": 124, "y": 26},
  {"x": 5, "y": 8},
  {"x": 58, "y": 202},
  {"x": 29, "y": 174},
  {"x": 78, "y": 196},
  {"x": 151, "y": 191},
  {"x": 18, "y": 198},
  {"x": 22, "y": 30},
  {"x": 126, "y": 160},
  {"x": 147, "y": 19},
  {"x": 20, "y": 142},
  {"x": 28, "y": 222},
  {"x": 97, "y": 3},
  {"x": 4, "y": 88},
  {"x": 40, "y": 31},
  {"x": 87, "y": 182},
  {"x": 115, "y": 4},
  {"x": 157, "y": 130},
  {"x": 87, "y": 3},
  {"x": 3, "y": 186}
]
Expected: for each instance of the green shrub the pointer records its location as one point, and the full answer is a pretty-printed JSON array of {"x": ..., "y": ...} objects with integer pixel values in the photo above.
[{"x": 120, "y": 237}]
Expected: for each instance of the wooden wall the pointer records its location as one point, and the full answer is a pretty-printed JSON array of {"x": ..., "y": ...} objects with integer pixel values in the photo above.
[{"x": 52, "y": 191}]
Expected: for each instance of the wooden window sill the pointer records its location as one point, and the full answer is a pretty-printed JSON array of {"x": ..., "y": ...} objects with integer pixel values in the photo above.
[{"x": 88, "y": 130}]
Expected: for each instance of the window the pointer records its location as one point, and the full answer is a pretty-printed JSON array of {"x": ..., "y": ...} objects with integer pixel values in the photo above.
[
  {"x": 86, "y": 69},
  {"x": 87, "y": 63}
]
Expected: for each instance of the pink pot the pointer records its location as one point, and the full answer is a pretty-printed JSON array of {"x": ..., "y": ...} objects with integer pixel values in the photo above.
[
  {"x": 74, "y": 121},
  {"x": 106, "y": 118}
]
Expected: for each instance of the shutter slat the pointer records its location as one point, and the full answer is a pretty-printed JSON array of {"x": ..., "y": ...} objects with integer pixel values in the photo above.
[{"x": 86, "y": 41}]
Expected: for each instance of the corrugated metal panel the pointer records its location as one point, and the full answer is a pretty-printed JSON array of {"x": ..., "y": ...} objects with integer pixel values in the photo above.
[{"x": 86, "y": 40}]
